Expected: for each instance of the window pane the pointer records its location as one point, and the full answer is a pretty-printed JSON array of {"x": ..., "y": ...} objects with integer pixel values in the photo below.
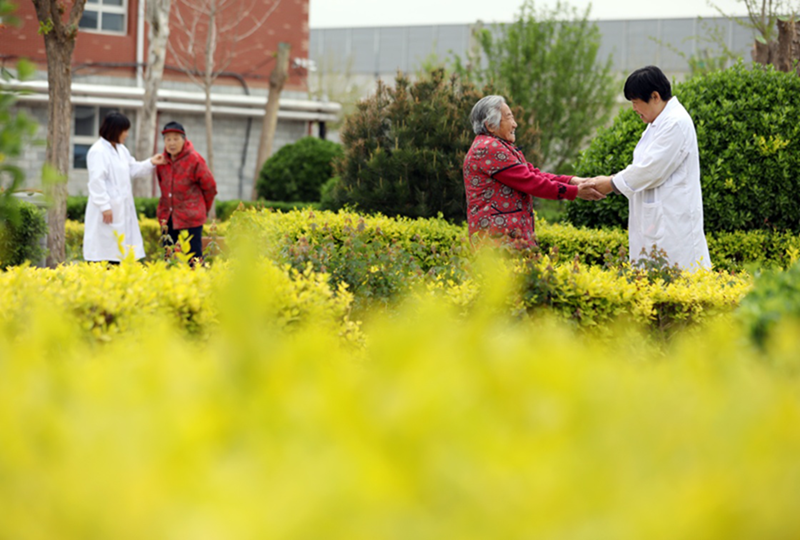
[
  {"x": 113, "y": 22},
  {"x": 79, "y": 156},
  {"x": 88, "y": 20},
  {"x": 93, "y": 1},
  {"x": 84, "y": 121},
  {"x": 112, "y": 2}
]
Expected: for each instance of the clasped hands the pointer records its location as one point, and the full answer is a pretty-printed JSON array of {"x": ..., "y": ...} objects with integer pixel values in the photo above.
[{"x": 592, "y": 189}]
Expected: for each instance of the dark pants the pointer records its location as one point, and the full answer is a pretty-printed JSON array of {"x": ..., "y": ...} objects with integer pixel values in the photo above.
[{"x": 196, "y": 242}]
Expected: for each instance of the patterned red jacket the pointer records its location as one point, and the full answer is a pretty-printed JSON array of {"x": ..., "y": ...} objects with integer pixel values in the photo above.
[
  {"x": 500, "y": 186},
  {"x": 187, "y": 189}
]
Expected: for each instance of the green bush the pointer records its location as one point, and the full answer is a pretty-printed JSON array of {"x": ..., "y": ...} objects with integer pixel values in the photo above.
[
  {"x": 297, "y": 171},
  {"x": 775, "y": 297},
  {"x": 378, "y": 258},
  {"x": 327, "y": 200},
  {"x": 76, "y": 207},
  {"x": 19, "y": 239},
  {"x": 749, "y": 140},
  {"x": 405, "y": 147}
]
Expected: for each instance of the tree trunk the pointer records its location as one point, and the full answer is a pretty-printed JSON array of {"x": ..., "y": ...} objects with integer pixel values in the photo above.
[
  {"x": 59, "y": 114},
  {"x": 788, "y": 50},
  {"x": 211, "y": 49},
  {"x": 158, "y": 34},
  {"x": 764, "y": 53},
  {"x": 276, "y": 82}
]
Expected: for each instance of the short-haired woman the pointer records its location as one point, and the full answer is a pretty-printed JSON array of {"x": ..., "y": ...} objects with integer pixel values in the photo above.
[
  {"x": 111, "y": 212},
  {"x": 501, "y": 184}
]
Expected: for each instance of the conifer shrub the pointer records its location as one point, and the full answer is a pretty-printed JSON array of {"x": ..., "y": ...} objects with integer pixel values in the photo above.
[
  {"x": 749, "y": 140},
  {"x": 404, "y": 148},
  {"x": 297, "y": 171}
]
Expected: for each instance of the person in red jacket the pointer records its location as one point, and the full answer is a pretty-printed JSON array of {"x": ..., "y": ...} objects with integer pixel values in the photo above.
[{"x": 187, "y": 188}]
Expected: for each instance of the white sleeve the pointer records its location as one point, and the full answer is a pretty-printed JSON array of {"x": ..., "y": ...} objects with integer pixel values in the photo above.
[
  {"x": 663, "y": 156},
  {"x": 98, "y": 176},
  {"x": 140, "y": 168}
]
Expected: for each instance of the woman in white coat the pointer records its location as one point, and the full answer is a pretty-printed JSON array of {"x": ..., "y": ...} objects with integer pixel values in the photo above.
[
  {"x": 111, "y": 211},
  {"x": 663, "y": 182}
]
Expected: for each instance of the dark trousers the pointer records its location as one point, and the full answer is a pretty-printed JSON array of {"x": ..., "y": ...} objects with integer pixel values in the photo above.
[{"x": 196, "y": 242}]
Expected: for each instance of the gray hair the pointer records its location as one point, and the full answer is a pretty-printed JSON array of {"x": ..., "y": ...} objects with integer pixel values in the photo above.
[{"x": 486, "y": 112}]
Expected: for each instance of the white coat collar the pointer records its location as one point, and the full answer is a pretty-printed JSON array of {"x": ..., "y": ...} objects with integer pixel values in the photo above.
[{"x": 667, "y": 111}]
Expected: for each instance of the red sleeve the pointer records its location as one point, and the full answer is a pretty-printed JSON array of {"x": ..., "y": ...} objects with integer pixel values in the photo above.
[
  {"x": 528, "y": 179},
  {"x": 206, "y": 181}
]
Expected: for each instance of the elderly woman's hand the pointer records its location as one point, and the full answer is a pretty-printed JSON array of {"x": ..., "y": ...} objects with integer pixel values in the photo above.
[{"x": 587, "y": 190}]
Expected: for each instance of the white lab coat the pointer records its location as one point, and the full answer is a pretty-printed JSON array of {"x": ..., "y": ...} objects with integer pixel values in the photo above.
[
  {"x": 110, "y": 174},
  {"x": 663, "y": 188}
]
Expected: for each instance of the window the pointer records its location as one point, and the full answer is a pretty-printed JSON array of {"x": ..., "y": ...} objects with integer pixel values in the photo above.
[
  {"x": 87, "y": 128},
  {"x": 105, "y": 16}
]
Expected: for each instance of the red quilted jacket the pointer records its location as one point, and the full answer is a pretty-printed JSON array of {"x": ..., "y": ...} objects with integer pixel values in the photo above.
[{"x": 187, "y": 189}]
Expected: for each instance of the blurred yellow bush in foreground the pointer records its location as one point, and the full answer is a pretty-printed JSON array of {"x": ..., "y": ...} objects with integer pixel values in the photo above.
[{"x": 440, "y": 425}]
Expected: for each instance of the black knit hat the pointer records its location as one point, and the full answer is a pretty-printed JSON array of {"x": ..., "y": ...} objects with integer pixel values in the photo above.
[{"x": 173, "y": 127}]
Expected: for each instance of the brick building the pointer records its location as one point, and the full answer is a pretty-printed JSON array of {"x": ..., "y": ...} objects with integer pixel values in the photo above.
[{"x": 107, "y": 74}]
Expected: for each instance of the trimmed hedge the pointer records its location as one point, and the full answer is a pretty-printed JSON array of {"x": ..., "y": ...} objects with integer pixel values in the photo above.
[
  {"x": 749, "y": 140},
  {"x": 101, "y": 303},
  {"x": 151, "y": 235},
  {"x": 297, "y": 171},
  {"x": 148, "y": 206},
  {"x": 379, "y": 257},
  {"x": 226, "y": 208},
  {"x": 20, "y": 242}
]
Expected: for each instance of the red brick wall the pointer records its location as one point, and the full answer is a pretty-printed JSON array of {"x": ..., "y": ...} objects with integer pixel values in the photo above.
[{"x": 252, "y": 56}]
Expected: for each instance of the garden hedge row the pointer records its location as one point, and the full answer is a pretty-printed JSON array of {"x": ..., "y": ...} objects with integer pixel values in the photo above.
[
  {"x": 378, "y": 258},
  {"x": 147, "y": 206}
]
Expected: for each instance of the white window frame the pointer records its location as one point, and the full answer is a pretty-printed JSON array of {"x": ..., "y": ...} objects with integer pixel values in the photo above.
[
  {"x": 101, "y": 8},
  {"x": 86, "y": 140}
]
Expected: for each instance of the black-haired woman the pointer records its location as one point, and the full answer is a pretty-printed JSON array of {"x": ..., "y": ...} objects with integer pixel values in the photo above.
[{"x": 111, "y": 212}]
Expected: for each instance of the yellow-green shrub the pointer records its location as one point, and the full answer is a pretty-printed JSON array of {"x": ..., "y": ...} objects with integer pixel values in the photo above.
[
  {"x": 151, "y": 235},
  {"x": 105, "y": 302},
  {"x": 444, "y": 426}
]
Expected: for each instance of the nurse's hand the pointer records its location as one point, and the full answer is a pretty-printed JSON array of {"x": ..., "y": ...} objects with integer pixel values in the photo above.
[
  {"x": 603, "y": 184},
  {"x": 108, "y": 216},
  {"x": 158, "y": 159}
]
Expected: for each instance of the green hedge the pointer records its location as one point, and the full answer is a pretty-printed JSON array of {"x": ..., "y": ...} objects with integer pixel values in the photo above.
[
  {"x": 20, "y": 242},
  {"x": 748, "y": 135},
  {"x": 775, "y": 297},
  {"x": 378, "y": 258},
  {"x": 147, "y": 206},
  {"x": 297, "y": 171},
  {"x": 76, "y": 207}
]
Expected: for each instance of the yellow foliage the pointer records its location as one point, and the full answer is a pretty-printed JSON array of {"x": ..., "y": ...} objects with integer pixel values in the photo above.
[{"x": 442, "y": 425}]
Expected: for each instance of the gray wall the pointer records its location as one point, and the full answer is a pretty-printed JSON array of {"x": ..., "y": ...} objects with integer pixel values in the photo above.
[{"x": 381, "y": 51}]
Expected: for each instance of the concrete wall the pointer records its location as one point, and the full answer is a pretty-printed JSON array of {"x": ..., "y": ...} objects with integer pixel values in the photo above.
[{"x": 379, "y": 52}]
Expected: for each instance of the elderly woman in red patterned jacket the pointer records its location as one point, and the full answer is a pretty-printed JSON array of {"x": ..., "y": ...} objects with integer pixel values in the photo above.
[
  {"x": 187, "y": 188},
  {"x": 501, "y": 184}
]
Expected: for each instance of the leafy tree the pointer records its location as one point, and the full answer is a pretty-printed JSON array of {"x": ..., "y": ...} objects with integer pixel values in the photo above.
[
  {"x": 749, "y": 141},
  {"x": 547, "y": 62},
  {"x": 405, "y": 147},
  {"x": 16, "y": 131}
]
